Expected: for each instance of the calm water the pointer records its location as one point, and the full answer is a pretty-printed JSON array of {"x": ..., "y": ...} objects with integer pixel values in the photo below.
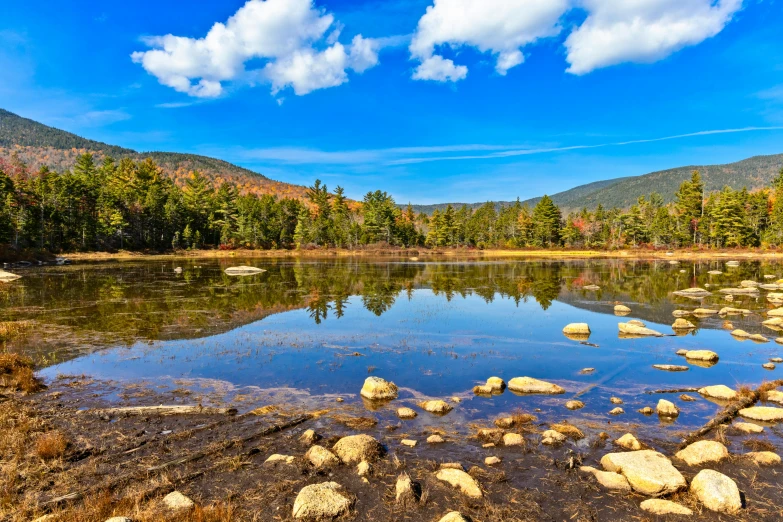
[{"x": 436, "y": 329}]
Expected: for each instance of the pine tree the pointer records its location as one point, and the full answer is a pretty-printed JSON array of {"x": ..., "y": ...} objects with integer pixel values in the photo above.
[
  {"x": 546, "y": 222},
  {"x": 690, "y": 207},
  {"x": 774, "y": 234}
]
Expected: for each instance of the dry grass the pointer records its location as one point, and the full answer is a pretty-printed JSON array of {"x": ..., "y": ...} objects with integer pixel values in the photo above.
[
  {"x": 16, "y": 373},
  {"x": 10, "y": 329},
  {"x": 759, "y": 445},
  {"x": 51, "y": 445},
  {"x": 569, "y": 430}
]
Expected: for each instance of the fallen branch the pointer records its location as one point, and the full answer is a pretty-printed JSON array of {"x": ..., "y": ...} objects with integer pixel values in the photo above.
[
  {"x": 673, "y": 390},
  {"x": 176, "y": 409}
]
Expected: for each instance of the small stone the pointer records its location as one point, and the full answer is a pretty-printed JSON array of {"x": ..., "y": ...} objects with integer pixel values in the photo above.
[
  {"x": 718, "y": 391},
  {"x": 496, "y": 384},
  {"x": 703, "y": 452},
  {"x": 569, "y": 430},
  {"x": 453, "y": 516},
  {"x": 460, "y": 480},
  {"x": 490, "y": 434},
  {"x": 775, "y": 396},
  {"x": 666, "y": 409},
  {"x": 716, "y": 491},
  {"x": 451, "y": 465},
  {"x": 356, "y": 448},
  {"x": 530, "y": 385},
  {"x": 616, "y": 411},
  {"x": 408, "y": 442},
  {"x": 456, "y": 400},
  {"x": 273, "y": 459},
  {"x": 584, "y": 371},
  {"x": 119, "y": 519},
  {"x": 325, "y": 501},
  {"x": 552, "y": 438},
  {"x": 376, "y": 388},
  {"x": 768, "y": 366},
  {"x": 176, "y": 501},
  {"x": 407, "y": 491},
  {"x": 340, "y": 399},
  {"x": 363, "y": 468},
  {"x": 575, "y": 405},
  {"x": 742, "y": 334},
  {"x": 482, "y": 390},
  {"x": 437, "y": 407},
  {"x": 504, "y": 423},
  {"x": 629, "y": 442},
  {"x": 491, "y": 461},
  {"x": 309, "y": 437},
  {"x": 747, "y": 427},
  {"x": 513, "y": 439},
  {"x": 659, "y": 506},
  {"x": 608, "y": 479},
  {"x": 633, "y": 329},
  {"x": 683, "y": 324},
  {"x": 321, "y": 457},
  {"x": 488, "y": 445},
  {"x": 670, "y": 367},
  {"x": 406, "y": 413},
  {"x": 646, "y": 411},
  {"x": 435, "y": 439},
  {"x": 622, "y": 309},
  {"x": 776, "y": 360},
  {"x": 701, "y": 355},
  {"x": 616, "y": 400},
  {"x": 758, "y": 338},
  {"x": 764, "y": 458}
]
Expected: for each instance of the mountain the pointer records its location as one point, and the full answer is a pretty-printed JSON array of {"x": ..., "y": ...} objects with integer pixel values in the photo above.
[
  {"x": 754, "y": 173},
  {"x": 39, "y": 145}
]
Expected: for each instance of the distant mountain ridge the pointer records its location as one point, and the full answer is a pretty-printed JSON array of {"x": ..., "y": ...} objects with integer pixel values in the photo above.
[
  {"x": 754, "y": 173},
  {"x": 39, "y": 145}
]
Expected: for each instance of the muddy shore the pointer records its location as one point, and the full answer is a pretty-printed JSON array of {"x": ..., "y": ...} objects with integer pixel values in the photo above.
[{"x": 124, "y": 465}]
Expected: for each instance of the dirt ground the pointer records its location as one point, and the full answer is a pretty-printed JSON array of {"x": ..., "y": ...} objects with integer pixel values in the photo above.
[{"x": 62, "y": 457}]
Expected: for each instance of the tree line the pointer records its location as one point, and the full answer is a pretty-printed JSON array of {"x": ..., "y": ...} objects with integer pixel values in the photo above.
[{"x": 134, "y": 205}]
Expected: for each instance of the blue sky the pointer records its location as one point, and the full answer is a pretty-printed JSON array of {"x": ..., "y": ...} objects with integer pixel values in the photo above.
[{"x": 460, "y": 100}]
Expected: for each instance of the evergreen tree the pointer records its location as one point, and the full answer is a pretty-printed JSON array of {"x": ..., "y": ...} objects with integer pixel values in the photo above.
[{"x": 546, "y": 223}]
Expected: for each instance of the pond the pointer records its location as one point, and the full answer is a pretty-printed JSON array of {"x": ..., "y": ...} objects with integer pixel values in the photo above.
[{"x": 314, "y": 329}]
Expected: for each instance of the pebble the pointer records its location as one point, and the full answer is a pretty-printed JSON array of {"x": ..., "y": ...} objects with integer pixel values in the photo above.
[
  {"x": 435, "y": 439},
  {"x": 659, "y": 506},
  {"x": 491, "y": 461},
  {"x": 408, "y": 442}
]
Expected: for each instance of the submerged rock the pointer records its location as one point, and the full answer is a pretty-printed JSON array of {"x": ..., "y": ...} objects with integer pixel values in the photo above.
[
  {"x": 435, "y": 439},
  {"x": 703, "y": 452},
  {"x": 658, "y": 506},
  {"x": 530, "y": 385},
  {"x": 176, "y": 501},
  {"x": 616, "y": 411},
  {"x": 461, "y": 481},
  {"x": 686, "y": 398},
  {"x": 764, "y": 458},
  {"x": 646, "y": 411},
  {"x": 376, "y": 388},
  {"x": 747, "y": 427},
  {"x": 356, "y": 448},
  {"x": 648, "y": 471},
  {"x": 325, "y": 501},
  {"x": 716, "y": 491},
  {"x": 718, "y": 391},
  {"x": 437, "y": 407},
  {"x": 671, "y": 367},
  {"x": 762, "y": 413},
  {"x": 615, "y": 400}
]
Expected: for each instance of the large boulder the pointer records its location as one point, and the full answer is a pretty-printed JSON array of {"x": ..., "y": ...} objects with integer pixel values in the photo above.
[
  {"x": 377, "y": 389},
  {"x": 460, "y": 480},
  {"x": 658, "y": 506},
  {"x": 762, "y": 413},
  {"x": 648, "y": 471},
  {"x": 356, "y": 448},
  {"x": 703, "y": 452},
  {"x": 325, "y": 501},
  {"x": 716, "y": 491},
  {"x": 531, "y": 385},
  {"x": 718, "y": 391}
]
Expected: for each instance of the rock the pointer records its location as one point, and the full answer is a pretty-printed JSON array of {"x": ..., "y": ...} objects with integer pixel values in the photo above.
[
  {"x": 454, "y": 516},
  {"x": 491, "y": 461},
  {"x": 681, "y": 351},
  {"x": 666, "y": 409},
  {"x": 325, "y": 501},
  {"x": 779, "y": 340},
  {"x": 321, "y": 457},
  {"x": 704, "y": 311},
  {"x": 747, "y": 427},
  {"x": 648, "y": 472},
  {"x": 435, "y": 439},
  {"x": 629, "y": 442},
  {"x": 513, "y": 439},
  {"x": 758, "y": 338},
  {"x": 768, "y": 366},
  {"x": 732, "y": 263},
  {"x": 451, "y": 465},
  {"x": 273, "y": 459},
  {"x": 774, "y": 321},
  {"x": 776, "y": 360},
  {"x": 733, "y": 311},
  {"x": 407, "y": 491},
  {"x": 646, "y": 411},
  {"x": 683, "y": 324},
  {"x": 363, "y": 469},
  {"x": 406, "y": 413},
  {"x": 632, "y": 329},
  {"x": 777, "y": 312},
  {"x": 692, "y": 292},
  {"x": 718, "y": 391},
  {"x": 497, "y": 384},
  {"x": 742, "y": 334},
  {"x": 591, "y": 287},
  {"x": 176, "y": 501},
  {"x": 243, "y": 270},
  {"x": 577, "y": 329},
  {"x": 437, "y": 407},
  {"x": 701, "y": 355},
  {"x": 727, "y": 325},
  {"x": 687, "y": 398},
  {"x": 615, "y": 400},
  {"x": 703, "y": 452},
  {"x": 764, "y": 458},
  {"x": 671, "y": 367},
  {"x": 716, "y": 491},
  {"x": 482, "y": 390},
  {"x": 608, "y": 479},
  {"x": 774, "y": 396},
  {"x": 575, "y": 405},
  {"x": 119, "y": 519},
  {"x": 739, "y": 291},
  {"x": 460, "y": 480},
  {"x": 356, "y": 448},
  {"x": 408, "y": 442},
  {"x": 715, "y": 272},
  {"x": 569, "y": 430},
  {"x": 748, "y": 284},
  {"x": 584, "y": 371},
  {"x": 490, "y": 434},
  {"x": 622, "y": 309},
  {"x": 7, "y": 277},
  {"x": 504, "y": 423},
  {"x": 681, "y": 313},
  {"x": 762, "y": 413},
  {"x": 659, "y": 506},
  {"x": 178, "y": 270},
  {"x": 530, "y": 385},
  {"x": 309, "y": 437},
  {"x": 616, "y": 411},
  {"x": 552, "y": 438},
  {"x": 377, "y": 389},
  {"x": 636, "y": 322}
]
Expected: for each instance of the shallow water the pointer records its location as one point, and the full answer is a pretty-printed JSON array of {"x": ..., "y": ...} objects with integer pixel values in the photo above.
[{"x": 318, "y": 328}]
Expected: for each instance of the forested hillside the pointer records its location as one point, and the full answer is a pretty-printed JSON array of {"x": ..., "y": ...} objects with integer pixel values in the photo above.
[{"x": 38, "y": 145}]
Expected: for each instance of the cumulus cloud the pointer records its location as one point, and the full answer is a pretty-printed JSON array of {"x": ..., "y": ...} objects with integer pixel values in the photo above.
[
  {"x": 289, "y": 35},
  {"x": 643, "y": 31},
  {"x": 500, "y": 27}
]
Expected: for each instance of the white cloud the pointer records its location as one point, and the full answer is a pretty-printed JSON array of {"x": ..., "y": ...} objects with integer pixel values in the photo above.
[
  {"x": 500, "y": 27},
  {"x": 643, "y": 31},
  {"x": 291, "y": 35}
]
